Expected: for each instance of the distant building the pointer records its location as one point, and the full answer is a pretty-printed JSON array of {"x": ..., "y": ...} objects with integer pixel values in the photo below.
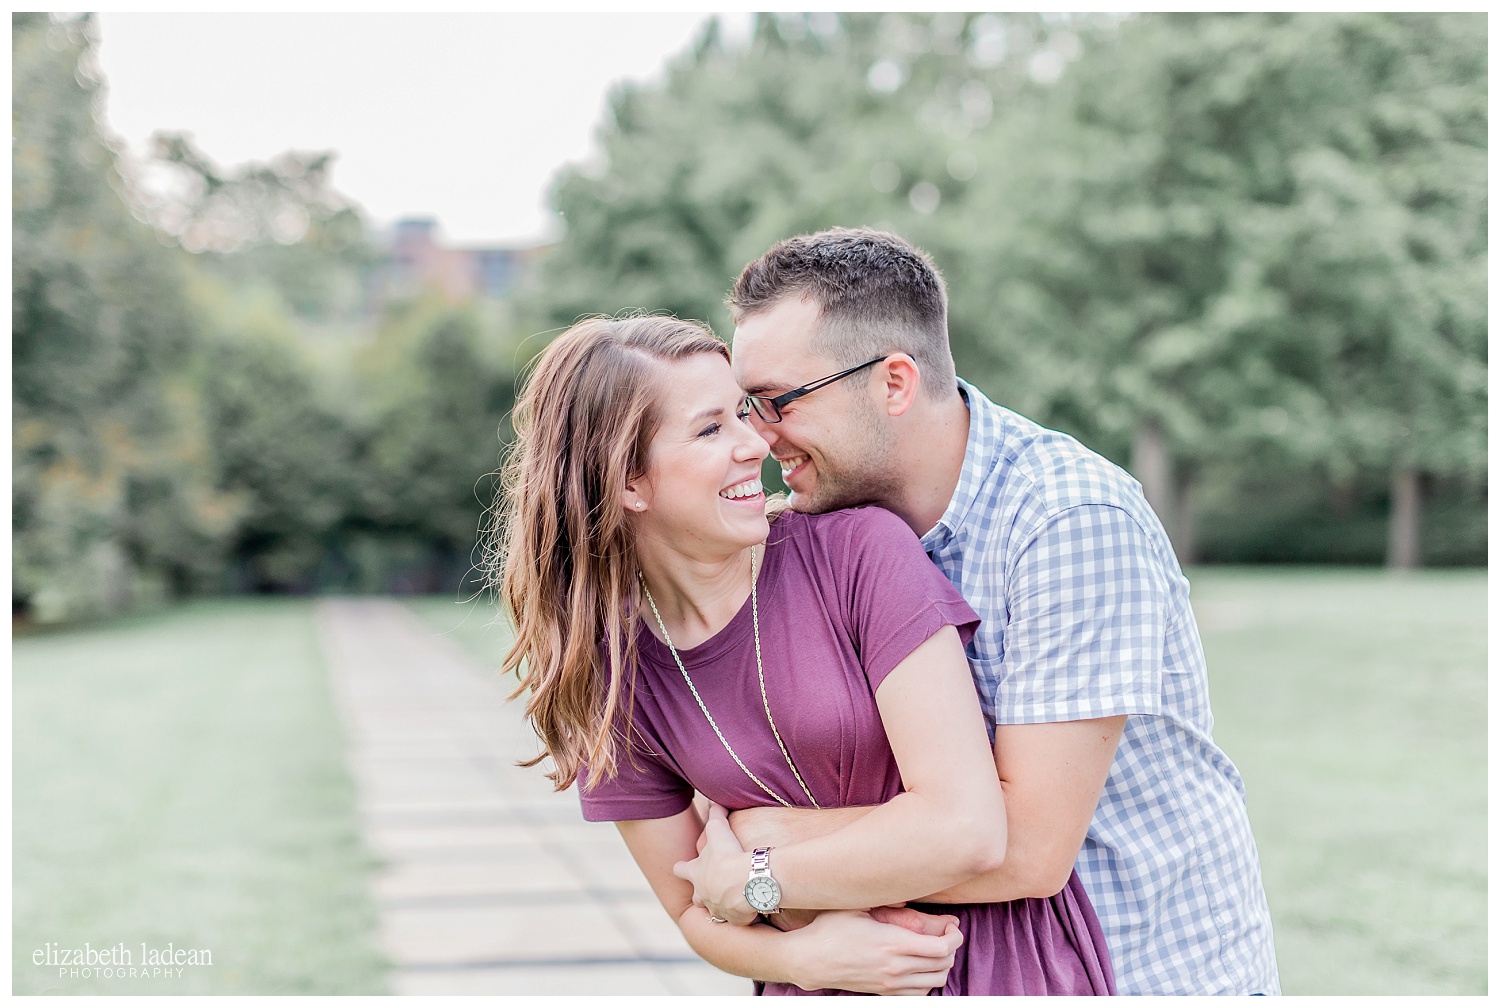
[{"x": 415, "y": 261}]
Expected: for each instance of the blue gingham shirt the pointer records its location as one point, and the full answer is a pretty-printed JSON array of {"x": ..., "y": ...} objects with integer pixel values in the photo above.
[{"x": 1085, "y": 615}]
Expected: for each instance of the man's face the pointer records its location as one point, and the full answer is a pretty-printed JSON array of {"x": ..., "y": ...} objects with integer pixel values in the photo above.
[{"x": 832, "y": 444}]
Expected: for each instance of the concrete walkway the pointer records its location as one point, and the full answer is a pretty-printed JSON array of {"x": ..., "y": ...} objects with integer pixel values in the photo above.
[{"x": 490, "y": 883}]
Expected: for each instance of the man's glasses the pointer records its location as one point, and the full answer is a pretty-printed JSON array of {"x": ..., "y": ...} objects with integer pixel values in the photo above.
[{"x": 769, "y": 408}]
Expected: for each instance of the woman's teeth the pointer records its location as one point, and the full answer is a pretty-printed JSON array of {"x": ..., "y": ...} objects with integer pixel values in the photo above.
[{"x": 749, "y": 488}]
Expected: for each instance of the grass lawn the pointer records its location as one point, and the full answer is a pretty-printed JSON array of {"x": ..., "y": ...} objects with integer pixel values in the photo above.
[
  {"x": 1354, "y": 703},
  {"x": 179, "y": 778}
]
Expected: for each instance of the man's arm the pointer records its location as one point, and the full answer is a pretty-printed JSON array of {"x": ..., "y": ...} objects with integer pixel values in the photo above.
[{"x": 1052, "y": 776}]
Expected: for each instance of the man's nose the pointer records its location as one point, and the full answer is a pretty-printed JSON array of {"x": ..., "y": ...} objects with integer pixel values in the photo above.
[{"x": 767, "y": 431}]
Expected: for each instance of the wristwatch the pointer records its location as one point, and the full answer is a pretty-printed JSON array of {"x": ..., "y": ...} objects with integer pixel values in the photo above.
[{"x": 762, "y": 891}]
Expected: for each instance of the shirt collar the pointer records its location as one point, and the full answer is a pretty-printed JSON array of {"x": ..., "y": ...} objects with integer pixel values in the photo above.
[{"x": 979, "y": 454}]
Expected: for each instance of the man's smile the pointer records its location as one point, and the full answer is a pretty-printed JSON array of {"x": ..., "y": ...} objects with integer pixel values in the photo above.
[{"x": 790, "y": 463}]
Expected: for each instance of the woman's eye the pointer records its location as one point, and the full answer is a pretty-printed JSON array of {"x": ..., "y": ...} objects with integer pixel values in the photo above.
[
  {"x": 743, "y": 414},
  {"x": 712, "y": 428}
]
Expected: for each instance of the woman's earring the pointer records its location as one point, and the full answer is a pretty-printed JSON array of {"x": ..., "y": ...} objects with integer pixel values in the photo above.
[{"x": 639, "y": 505}]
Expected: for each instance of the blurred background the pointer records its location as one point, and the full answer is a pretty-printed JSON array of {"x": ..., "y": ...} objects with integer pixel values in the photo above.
[{"x": 1242, "y": 255}]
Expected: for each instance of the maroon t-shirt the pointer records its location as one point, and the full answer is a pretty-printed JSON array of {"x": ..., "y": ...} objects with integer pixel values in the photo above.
[{"x": 843, "y": 598}]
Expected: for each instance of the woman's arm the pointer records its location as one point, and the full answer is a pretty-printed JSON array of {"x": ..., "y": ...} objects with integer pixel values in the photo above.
[
  {"x": 1052, "y": 776},
  {"x": 846, "y": 950},
  {"x": 946, "y": 827}
]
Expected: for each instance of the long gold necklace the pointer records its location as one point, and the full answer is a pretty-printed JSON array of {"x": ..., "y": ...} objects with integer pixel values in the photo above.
[{"x": 759, "y": 671}]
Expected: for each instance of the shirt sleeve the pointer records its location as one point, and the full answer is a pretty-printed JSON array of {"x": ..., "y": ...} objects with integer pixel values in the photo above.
[
  {"x": 1086, "y": 635},
  {"x": 897, "y": 598},
  {"x": 646, "y": 786}
]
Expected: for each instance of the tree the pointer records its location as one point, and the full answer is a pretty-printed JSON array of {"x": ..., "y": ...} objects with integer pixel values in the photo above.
[
  {"x": 279, "y": 223},
  {"x": 1222, "y": 247},
  {"x": 281, "y": 448},
  {"x": 112, "y": 500},
  {"x": 438, "y": 384},
  {"x": 1251, "y": 234},
  {"x": 821, "y": 120}
]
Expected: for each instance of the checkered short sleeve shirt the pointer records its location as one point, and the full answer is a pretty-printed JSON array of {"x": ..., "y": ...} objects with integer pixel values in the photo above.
[{"x": 1085, "y": 614}]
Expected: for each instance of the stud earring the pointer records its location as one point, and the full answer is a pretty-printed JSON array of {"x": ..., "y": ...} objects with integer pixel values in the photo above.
[{"x": 640, "y": 504}]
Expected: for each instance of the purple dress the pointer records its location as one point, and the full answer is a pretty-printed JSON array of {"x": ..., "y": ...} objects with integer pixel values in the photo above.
[{"x": 843, "y": 599}]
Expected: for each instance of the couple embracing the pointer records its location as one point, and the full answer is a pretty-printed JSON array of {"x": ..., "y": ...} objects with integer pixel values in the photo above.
[{"x": 945, "y": 705}]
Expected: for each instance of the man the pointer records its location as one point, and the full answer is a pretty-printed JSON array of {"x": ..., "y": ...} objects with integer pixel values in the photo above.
[{"x": 1087, "y": 662}]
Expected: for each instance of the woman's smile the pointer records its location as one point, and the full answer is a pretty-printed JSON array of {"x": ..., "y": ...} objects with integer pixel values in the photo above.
[{"x": 747, "y": 492}]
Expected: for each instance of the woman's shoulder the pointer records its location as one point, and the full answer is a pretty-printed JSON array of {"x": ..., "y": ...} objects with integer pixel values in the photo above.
[{"x": 848, "y": 527}]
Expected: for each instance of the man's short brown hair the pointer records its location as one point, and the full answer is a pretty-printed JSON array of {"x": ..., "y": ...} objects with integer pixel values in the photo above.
[{"x": 877, "y": 294}]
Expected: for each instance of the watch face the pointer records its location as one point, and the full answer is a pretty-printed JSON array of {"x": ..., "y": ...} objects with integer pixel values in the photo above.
[{"x": 763, "y": 894}]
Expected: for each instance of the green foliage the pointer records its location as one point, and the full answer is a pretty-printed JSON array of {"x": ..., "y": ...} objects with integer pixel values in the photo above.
[
  {"x": 1260, "y": 237},
  {"x": 1223, "y": 241},
  {"x": 357, "y": 468},
  {"x": 1249, "y": 247},
  {"x": 439, "y": 388},
  {"x": 280, "y": 224},
  {"x": 1280, "y": 221},
  {"x": 740, "y": 148},
  {"x": 279, "y": 448},
  {"x": 112, "y": 499},
  {"x": 209, "y": 403}
]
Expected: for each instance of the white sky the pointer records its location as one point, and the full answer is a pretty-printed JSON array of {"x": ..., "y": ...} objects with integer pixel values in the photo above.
[{"x": 464, "y": 117}]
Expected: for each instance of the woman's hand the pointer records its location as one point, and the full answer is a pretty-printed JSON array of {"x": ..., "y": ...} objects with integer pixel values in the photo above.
[
  {"x": 883, "y": 951},
  {"x": 719, "y": 872}
]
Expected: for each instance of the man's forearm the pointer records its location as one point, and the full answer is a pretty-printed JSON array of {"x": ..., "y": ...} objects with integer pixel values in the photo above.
[
  {"x": 1002, "y": 885},
  {"x": 781, "y": 827},
  {"x": 1052, "y": 775}
]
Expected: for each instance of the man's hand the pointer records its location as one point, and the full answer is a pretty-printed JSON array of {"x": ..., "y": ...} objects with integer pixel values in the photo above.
[
  {"x": 915, "y": 921},
  {"x": 792, "y": 919},
  {"x": 875, "y": 952}
]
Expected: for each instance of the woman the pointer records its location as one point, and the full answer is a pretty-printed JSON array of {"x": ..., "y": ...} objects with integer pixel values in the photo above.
[{"x": 670, "y": 645}]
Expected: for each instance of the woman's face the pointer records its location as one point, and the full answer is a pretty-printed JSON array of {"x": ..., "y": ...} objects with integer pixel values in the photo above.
[{"x": 701, "y": 492}]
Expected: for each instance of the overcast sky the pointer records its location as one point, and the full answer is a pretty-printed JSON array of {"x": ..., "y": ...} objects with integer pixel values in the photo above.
[{"x": 460, "y": 116}]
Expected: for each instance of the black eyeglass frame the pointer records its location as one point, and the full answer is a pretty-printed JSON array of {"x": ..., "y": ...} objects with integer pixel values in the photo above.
[{"x": 773, "y": 404}]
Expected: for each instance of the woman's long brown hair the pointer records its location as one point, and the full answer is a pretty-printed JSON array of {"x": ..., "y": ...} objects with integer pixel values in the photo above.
[{"x": 561, "y": 552}]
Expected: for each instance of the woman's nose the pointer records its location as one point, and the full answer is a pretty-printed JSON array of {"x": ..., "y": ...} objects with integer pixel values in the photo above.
[{"x": 753, "y": 445}]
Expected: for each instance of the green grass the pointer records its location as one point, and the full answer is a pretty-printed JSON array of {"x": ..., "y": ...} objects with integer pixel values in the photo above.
[
  {"x": 1354, "y": 703},
  {"x": 179, "y": 778}
]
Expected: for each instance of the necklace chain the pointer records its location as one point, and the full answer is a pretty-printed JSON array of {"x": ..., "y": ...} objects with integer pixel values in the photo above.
[{"x": 759, "y": 671}]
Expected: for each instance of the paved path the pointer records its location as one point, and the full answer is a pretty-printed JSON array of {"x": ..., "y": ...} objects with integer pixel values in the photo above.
[{"x": 490, "y": 883}]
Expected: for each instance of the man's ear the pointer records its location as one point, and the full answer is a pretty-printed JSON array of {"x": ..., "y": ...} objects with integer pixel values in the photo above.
[{"x": 902, "y": 381}]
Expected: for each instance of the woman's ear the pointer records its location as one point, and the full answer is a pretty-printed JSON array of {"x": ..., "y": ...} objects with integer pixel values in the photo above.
[{"x": 631, "y": 498}]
